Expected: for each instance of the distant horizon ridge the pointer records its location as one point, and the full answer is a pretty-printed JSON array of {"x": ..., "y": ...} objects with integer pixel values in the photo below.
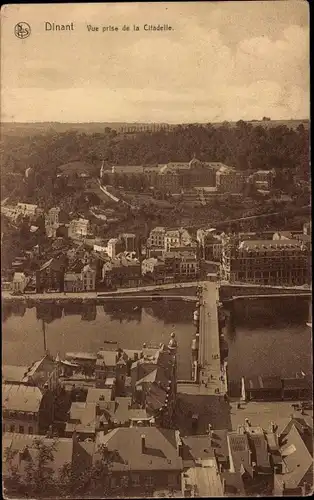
[{"x": 152, "y": 123}]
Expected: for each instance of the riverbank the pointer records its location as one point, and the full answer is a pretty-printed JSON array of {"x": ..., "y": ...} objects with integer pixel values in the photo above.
[{"x": 83, "y": 296}]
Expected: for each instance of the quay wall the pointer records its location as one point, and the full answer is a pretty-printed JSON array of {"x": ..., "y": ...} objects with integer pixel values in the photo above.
[
  {"x": 248, "y": 310},
  {"x": 228, "y": 291}
]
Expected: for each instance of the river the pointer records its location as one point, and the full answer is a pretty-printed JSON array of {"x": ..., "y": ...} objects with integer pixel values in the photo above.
[{"x": 280, "y": 347}]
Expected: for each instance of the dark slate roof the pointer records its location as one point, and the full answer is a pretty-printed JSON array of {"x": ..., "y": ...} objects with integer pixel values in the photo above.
[
  {"x": 297, "y": 461},
  {"x": 126, "y": 443},
  {"x": 24, "y": 442},
  {"x": 202, "y": 447},
  {"x": 233, "y": 483},
  {"x": 240, "y": 451}
]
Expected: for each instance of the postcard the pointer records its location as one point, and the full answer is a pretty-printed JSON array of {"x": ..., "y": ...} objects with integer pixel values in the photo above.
[{"x": 156, "y": 250}]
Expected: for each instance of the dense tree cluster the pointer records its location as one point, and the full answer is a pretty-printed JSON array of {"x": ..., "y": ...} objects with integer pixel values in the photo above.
[
  {"x": 39, "y": 478},
  {"x": 244, "y": 146}
]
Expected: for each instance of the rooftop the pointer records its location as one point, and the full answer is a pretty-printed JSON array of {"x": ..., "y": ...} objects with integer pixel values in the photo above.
[
  {"x": 87, "y": 356},
  {"x": 261, "y": 245},
  {"x": 11, "y": 373},
  {"x": 109, "y": 358},
  {"x": 296, "y": 459},
  {"x": 19, "y": 397},
  {"x": 94, "y": 395},
  {"x": 159, "y": 452},
  {"x": 62, "y": 454}
]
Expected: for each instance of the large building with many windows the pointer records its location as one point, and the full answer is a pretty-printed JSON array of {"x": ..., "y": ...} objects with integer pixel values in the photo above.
[{"x": 268, "y": 262}]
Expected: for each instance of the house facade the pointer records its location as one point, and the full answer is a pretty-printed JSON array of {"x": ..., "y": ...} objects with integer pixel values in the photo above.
[
  {"x": 50, "y": 277},
  {"x": 26, "y": 409}
]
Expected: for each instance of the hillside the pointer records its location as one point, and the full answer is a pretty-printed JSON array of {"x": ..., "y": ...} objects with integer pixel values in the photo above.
[{"x": 26, "y": 129}]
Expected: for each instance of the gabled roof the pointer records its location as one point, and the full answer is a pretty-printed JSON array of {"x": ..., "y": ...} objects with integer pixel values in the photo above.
[
  {"x": 62, "y": 454},
  {"x": 54, "y": 264},
  {"x": 233, "y": 483},
  {"x": 19, "y": 397},
  {"x": 108, "y": 357},
  {"x": 13, "y": 373},
  {"x": 297, "y": 461},
  {"x": 258, "y": 446},
  {"x": 239, "y": 451},
  {"x": 159, "y": 453}
]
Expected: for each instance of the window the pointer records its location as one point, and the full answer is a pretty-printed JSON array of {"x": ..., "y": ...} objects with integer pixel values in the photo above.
[
  {"x": 30, "y": 430},
  {"x": 124, "y": 481},
  {"x": 12, "y": 428},
  {"x": 172, "y": 479},
  {"x": 113, "y": 482},
  {"x": 21, "y": 429},
  {"x": 3, "y": 427},
  {"x": 135, "y": 479},
  {"x": 149, "y": 481}
]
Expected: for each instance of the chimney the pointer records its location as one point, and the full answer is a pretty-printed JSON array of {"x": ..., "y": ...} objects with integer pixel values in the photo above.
[
  {"x": 273, "y": 427},
  {"x": 143, "y": 443},
  {"x": 247, "y": 422}
]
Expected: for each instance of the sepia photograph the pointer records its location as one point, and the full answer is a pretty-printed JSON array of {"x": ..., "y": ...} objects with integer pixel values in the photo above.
[{"x": 156, "y": 250}]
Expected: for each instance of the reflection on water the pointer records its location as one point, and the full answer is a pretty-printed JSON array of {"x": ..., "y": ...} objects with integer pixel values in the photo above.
[
  {"x": 276, "y": 343},
  {"x": 78, "y": 326}
]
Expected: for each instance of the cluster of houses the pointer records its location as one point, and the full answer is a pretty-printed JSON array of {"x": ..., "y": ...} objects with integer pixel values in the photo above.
[
  {"x": 128, "y": 408},
  {"x": 77, "y": 266}
]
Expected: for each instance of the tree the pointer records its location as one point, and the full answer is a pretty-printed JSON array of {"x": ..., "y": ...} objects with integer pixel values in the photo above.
[{"x": 38, "y": 479}]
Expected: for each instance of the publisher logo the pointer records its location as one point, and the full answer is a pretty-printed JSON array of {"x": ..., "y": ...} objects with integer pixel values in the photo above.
[{"x": 22, "y": 30}]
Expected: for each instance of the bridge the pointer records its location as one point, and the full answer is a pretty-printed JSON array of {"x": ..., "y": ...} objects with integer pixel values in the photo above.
[{"x": 209, "y": 378}]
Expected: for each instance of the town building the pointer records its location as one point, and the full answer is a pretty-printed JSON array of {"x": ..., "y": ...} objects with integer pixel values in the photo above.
[
  {"x": 144, "y": 460},
  {"x": 153, "y": 380},
  {"x": 269, "y": 262},
  {"x": 209, "y": 244},
  {"x": 19, "y": 282},
  {"x": 294, "y": 471},
  {"x": 54, "y": 219},
  {"x": 79, "y": 228},
  {"x": 26, "y": 408},
  {"x": 180, "y": 265},
  {"x": 20, "y": 449},
  {"x": 43, "y": 373},
  {"x": 73, "y": 282},
  {"x": 177, "y": 238},
  {"x": 228, "y": 180},
  {"x": 50, "y": 277},
  {"x": 307, "y": 228},
  {"x": 114, "y": 247},
  {"x": 28, "y": 210},
  {"x": 129, "y": 240},
  {"x": 155, "y": 244},
  {"x": 276, "y": 388},
  {"x": 154, "y": 269},
  {"x": 263, "y": 179},
  {"x": 122, "y": 270},
  {"x": 88, "y": 277}
]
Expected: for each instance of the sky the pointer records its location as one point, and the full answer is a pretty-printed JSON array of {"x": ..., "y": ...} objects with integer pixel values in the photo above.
[{"x": 221, "y": 61}]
